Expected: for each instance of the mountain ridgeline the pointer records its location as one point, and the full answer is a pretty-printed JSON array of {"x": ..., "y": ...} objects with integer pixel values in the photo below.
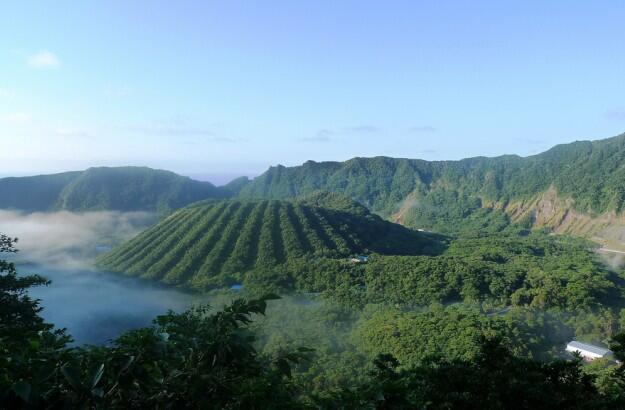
[
  {"x": 117, "y": 189},
  {"x": 217, "y": 243},
  {"x": 575, "y": 188}
]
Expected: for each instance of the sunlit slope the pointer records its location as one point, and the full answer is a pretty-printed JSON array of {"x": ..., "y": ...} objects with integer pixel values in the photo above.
[
  {"x": 208, "y": 243},
  {"x": 576, "y": 188}
]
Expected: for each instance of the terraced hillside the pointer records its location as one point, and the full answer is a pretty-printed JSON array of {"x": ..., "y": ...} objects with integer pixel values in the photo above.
[{"x": 215, "y": 243}]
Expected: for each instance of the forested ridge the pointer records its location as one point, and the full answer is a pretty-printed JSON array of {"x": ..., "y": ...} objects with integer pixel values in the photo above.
[
  {"x": 445, "y": 195},
  {"x": 214, "y": 243},
  {"x": 115, "y": 189}
]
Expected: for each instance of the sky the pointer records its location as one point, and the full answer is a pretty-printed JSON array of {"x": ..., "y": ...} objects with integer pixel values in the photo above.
[{"x": 220, "y": 89}]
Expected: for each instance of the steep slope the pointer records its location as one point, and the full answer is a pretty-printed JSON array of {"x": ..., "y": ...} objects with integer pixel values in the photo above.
[
  {"x": 36, "y": 193},
  {"x": 132, "y": 189},
  {"x": 582, "y": 180},
  {"x": 121, "y": 189},
  {"x": 216, "y": 242}
]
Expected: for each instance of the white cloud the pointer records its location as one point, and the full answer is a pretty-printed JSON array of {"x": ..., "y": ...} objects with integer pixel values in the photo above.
[
  {"x": 44, "y": 59},
  {"x": 16, "y": 118}
]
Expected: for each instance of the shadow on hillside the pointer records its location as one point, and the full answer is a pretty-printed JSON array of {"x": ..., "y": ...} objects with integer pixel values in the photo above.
[{"x": 388, "y": 238}]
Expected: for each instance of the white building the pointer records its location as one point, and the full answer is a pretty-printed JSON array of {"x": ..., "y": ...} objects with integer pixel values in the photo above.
[{"x": 588, "y": 352}]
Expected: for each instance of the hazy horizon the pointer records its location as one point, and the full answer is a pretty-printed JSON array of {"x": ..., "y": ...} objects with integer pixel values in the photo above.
[
  {"x": 233, "y": 88},
  {"x": 220, "y": 178}
]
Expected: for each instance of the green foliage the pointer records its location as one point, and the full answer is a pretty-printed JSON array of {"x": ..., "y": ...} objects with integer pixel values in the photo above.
[
  {"x": 494, "y": 379},
  {"x": 217, "y": 243},
  {"x": 235, "y": 186},
  {"x": 537, "y": 270},
  {"x": 450, "y": 196},
  {"x": 566, "y": 292},
  {"x": 120, "y": 189},
  {"x": 336, "y": 362},
  {"x": 333, "y": 200},
  {"x": 454, "y": 333},
  {"x": 29, "y": 347},
  {"x": 31, "y": 194},
  {"x": 19, "y": 314},
  {"x": 449, "y": 358},
  {"x": 189, "y": 360}
]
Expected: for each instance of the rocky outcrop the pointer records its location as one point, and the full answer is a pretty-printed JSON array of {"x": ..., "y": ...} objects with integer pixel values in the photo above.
[{"x": 549, "y": 210}]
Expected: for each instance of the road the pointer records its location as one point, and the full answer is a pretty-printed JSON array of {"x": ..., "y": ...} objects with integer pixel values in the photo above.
[{"x": 611, "y": 250}]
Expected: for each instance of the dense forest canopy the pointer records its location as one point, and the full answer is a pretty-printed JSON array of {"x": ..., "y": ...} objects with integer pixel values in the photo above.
[
  {"x": 217, "y": 243},
  {"x": 286, "y": 246},
  {"x": 202, "y": 358}
]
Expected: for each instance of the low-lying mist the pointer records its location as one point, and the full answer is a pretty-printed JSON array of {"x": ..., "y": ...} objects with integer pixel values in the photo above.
[
  {"x": 68, "y": 239},
  {"x": 94, "y": 306}
]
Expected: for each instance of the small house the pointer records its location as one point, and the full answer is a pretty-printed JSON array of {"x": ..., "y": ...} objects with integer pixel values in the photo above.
[
  {"x": 359, "y": 259},
  {"x": 587, "y": 351}
]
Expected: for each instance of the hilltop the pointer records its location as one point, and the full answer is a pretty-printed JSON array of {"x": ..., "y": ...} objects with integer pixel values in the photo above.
[
  {"x": 213, "y": 243},
  {"x": 118, "y": 189}
]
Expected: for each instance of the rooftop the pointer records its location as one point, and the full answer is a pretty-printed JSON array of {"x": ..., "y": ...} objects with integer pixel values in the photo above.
[{"x": 588, "y": 348}]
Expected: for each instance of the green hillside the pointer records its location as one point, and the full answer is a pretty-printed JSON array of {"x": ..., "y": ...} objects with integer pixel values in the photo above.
[
  {"x": 587, "y": 177},
  {"x": 576, "y": 188},
  {"x": 38, "y": 193},
  {"x": 219, "y": 242},
  {"x": 121, "y": 189}
]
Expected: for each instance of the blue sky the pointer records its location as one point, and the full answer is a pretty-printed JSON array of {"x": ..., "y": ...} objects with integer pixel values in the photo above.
[{"x": 217, "y": 89}]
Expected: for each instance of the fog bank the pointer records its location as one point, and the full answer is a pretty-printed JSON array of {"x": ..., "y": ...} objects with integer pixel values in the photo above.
[
  {"x": 94, "y": 306},
  {"x": 68, "y": 239}
]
